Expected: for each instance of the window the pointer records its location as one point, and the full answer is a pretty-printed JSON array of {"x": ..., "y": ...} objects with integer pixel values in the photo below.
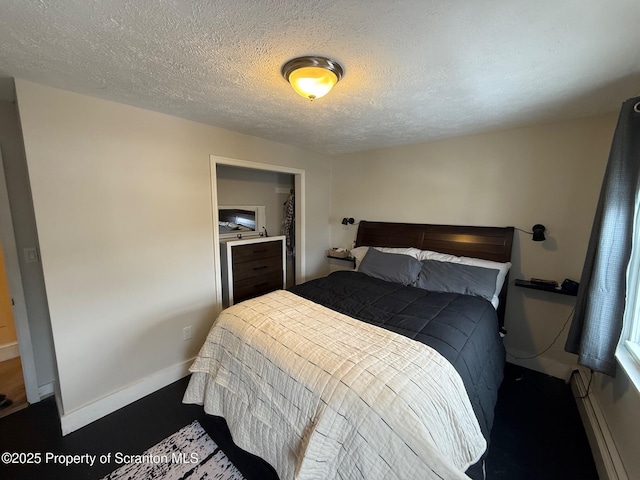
[
  {"x": 628, "y": 352},
  {"x": 631, "y": 336}
]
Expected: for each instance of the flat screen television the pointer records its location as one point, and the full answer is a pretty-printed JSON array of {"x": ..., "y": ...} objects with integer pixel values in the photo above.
[{"x": 241, "y": 221}]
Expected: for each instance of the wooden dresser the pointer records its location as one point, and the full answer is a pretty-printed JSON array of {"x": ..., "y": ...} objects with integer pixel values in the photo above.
[{"x": 252, "y": 267}]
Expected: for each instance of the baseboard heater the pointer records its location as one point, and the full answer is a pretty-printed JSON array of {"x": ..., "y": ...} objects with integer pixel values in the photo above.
[{"x": 605, "y": 454}]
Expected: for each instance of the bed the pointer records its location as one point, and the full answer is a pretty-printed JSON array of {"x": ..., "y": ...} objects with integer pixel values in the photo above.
[{"x": 364, "y": 374}]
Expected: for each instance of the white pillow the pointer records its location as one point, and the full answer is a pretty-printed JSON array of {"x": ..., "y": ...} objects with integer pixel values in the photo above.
[
  {"x": 359, "y": 252},
  {"x": 503, "y": 268}
]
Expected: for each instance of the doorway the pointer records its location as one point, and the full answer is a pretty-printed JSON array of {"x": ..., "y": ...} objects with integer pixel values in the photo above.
[
  {"x": 17, "y": 365},
  {"x": 271, "y": 192},
  {"x": 299, "y": 190},
  {"x": 13, "y": 395}
]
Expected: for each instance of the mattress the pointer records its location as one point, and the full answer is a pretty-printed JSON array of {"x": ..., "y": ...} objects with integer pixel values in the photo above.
[
  {"x": 318, "y": 394},
  {"x": 462, "y": 328}
]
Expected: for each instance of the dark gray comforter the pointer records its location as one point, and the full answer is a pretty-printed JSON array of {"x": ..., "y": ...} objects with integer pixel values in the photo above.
[{"x": 462, "y": 328}]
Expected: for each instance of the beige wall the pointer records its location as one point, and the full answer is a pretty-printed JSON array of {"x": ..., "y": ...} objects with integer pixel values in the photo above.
[
  {"x": 548, "y": 174},
  {"x": 122, "y": 201}
]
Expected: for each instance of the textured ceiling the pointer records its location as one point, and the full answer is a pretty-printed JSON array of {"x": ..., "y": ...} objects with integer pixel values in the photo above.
[{"x": 415, "y": 70}]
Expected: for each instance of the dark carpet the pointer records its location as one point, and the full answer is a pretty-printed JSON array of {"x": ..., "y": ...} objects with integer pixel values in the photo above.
[{"x": 537, "y": 434}]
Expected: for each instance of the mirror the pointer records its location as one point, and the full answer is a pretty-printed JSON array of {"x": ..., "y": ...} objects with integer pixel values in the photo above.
[{"x": 241, "y": 221}]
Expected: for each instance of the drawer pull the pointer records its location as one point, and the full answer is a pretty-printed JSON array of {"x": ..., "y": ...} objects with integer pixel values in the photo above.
[
  {"x": 261, "y": 267},
  {"x": 261, "y": 284},
  {"x": 260, "y": 251}
]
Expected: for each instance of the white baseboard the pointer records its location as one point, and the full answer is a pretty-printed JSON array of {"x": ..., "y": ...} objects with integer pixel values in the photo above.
[
  {"x": 605, "y": 454},
  {"x": 9, "y": 351},
  {"x": 76, "y": 419}
]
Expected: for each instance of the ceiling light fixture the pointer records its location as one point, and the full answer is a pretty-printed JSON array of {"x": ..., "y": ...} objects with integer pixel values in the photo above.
[{"x": 312, "y": 77}]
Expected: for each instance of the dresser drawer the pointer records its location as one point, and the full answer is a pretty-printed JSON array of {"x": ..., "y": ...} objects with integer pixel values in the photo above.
[
  {"x": 252, "y": 287},
  {"x": 254, "y": 251},
  {"x": 260, "y": 266},
  {"x": 251, "y": 267}
]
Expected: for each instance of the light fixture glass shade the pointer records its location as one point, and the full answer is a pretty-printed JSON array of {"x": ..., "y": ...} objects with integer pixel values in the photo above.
[
  {"x": 312, "y": 77},
  {"x": 312, "y": 82}
]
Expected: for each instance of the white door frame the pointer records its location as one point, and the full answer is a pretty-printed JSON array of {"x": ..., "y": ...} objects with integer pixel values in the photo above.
[
  {"x": 299, "y": 183},
  {"x": 14, "y": 278}
]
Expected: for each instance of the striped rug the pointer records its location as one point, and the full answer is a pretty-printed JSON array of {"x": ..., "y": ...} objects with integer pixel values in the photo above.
[{"x": 188, "y": 453}]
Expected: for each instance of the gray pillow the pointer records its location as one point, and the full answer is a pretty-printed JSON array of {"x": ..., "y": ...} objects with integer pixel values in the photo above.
[
  {"x": 457, "y": 278},
  {"x": 392, "y": 267}
]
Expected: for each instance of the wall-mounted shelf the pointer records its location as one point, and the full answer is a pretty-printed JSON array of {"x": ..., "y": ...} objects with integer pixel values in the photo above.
[
  {"x": 347, "y": 259},
  {"x": 533, "y": 286}
]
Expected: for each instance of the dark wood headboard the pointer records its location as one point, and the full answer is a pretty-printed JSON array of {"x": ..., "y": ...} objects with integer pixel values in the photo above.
[{"x": 488, "y": 243}]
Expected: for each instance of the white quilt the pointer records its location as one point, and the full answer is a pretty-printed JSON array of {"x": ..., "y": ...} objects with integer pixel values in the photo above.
[{"x": 321, "y": 396}]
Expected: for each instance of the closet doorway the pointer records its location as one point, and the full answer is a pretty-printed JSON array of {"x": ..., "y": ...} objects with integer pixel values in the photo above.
[
  {"x": 262, "y": 184},
  {"x": 16, "y": 353}
]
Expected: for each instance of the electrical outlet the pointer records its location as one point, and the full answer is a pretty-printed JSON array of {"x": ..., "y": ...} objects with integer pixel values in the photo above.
[{"x": 186, "y": 333}]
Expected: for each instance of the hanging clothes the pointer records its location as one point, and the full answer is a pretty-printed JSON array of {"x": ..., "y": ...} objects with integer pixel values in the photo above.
[{"x": 289, "y": 223}]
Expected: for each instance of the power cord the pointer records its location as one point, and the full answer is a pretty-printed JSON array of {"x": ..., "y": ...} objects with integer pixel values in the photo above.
[
  {"x": 588, "y": 386},
  {"x": 550, "y": 345}
]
